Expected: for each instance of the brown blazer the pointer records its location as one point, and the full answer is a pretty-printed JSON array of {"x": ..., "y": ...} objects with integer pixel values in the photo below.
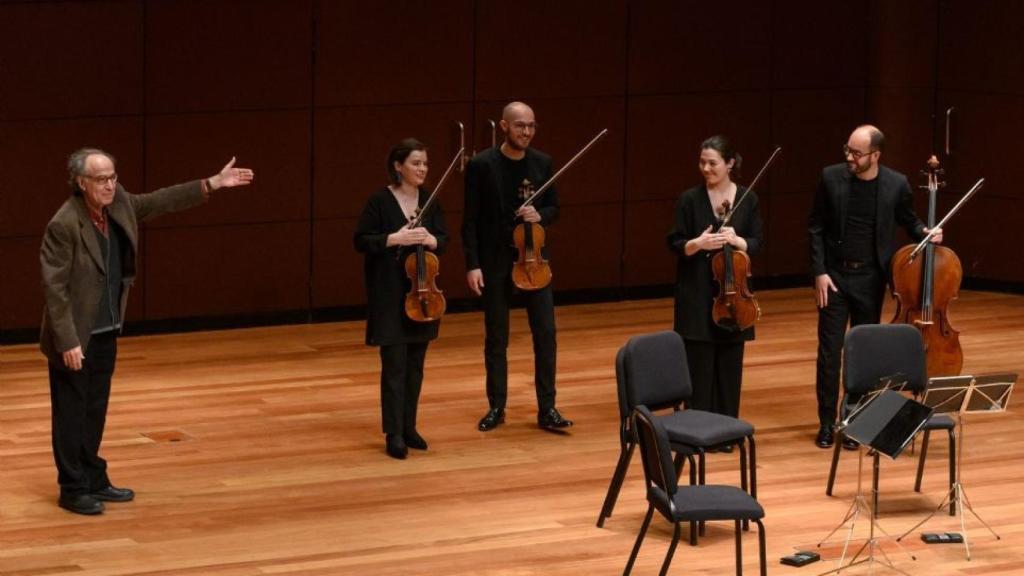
[{"x": 73, "y": 269}]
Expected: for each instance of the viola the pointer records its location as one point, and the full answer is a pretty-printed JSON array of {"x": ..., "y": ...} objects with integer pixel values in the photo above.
[
  {"x": 735, "y": 308},
  {"x": 425, "y": 302},
  {"x": 924, "y": 287},
  {"x": 531, "y": 271}
]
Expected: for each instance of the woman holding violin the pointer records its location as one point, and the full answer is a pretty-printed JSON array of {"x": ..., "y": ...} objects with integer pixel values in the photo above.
[
  {"x": 384, "y": 236},
  {"x": 714, "y": 350}
]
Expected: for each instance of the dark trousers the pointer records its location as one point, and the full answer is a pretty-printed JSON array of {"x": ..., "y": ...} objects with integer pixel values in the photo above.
[
  {"x": 78, "y": 412},
  {"x": 401, "y": 379},
  {"x": 858, "y": 301},
  {"x": 540, "y": 309},
  {"x": 716, "y": 374}
]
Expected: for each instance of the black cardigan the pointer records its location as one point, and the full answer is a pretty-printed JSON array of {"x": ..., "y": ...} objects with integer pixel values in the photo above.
[{"x": 386, "y": 282}]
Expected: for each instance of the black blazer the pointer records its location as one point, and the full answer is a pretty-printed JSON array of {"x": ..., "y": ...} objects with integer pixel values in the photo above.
[
  {"x": 827, "y": 224},
  {"x": 486, "y": 230}
]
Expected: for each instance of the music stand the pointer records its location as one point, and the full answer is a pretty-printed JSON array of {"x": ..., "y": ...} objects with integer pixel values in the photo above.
[
  {"x": 885, "y": 422},
  {"x": 981, "y": 395}
]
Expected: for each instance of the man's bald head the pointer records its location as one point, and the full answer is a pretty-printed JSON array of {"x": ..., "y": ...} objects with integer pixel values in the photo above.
[
  {"x": 514, "y": 110},
  {"x": 870, "y": 135}
]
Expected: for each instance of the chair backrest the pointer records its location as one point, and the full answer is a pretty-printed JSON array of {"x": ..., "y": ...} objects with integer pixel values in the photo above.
[
  {"x": 655, "y": 452},
  {"x": 874, "y": 351},
  {"x": 651, "y": 370}
]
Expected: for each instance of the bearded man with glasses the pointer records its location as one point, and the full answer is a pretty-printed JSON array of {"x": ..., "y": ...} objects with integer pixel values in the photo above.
[{"x": 852, "y": 225}]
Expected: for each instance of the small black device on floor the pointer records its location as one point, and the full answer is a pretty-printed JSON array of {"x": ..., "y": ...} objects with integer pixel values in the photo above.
[
  {"x": 800, "y": 558},
  {"x": 942, "y": 538}
]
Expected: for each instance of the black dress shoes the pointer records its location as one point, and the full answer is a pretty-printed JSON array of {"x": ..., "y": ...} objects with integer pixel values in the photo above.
[
  {"x": 550, "y": 419},
  {"x": 414, "y": 440},
  {"x": 850, "y": 443},
  {"x": 114, "y": 494},
  {"x": 825, "y": 438},
  {"x": 396, "y": 447},
  {"x": 491, "y": 420},
  {"x": 81, "y": 504}
]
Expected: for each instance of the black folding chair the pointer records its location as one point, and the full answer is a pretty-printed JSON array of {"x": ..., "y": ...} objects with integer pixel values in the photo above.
[
  {"x": 687, "y": 503},
  {"x": 651, "y": 370}
]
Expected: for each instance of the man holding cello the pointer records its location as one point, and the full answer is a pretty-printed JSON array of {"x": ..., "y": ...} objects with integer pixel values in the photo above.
[
  {"x": 496, "y": 181},
  {"x": 856, "y": 209}
]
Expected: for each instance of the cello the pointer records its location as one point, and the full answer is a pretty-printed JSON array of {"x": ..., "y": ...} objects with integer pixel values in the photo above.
[
  {"x": 735, "y": 308},
  {"x": 531, "y": 271},
  {"x": 924, "y": 287},
  {"x": 425, "y": 302}
]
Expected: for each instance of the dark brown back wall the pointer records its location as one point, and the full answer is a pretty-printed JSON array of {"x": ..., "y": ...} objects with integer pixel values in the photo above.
[{"x": 312, "y": 93}]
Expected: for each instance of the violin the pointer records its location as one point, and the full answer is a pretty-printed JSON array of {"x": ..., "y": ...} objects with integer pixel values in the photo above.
[
  {"x": 531, "y": 271},
  {"x": 735, "y": 308},
  {"x": 924, "y": 287},
  {"x": 425, "y": 302}
]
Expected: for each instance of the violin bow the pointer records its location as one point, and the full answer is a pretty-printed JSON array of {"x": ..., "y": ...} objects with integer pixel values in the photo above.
[
  {"x": 924, "y": 242},
  {"x": 751, "y": 185},
  {"x": 551, "y": 180},
  {"x": 420, "y": 212}
]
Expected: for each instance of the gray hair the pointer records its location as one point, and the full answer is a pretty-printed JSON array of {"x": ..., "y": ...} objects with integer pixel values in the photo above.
[{"x": 76, "y": 165}]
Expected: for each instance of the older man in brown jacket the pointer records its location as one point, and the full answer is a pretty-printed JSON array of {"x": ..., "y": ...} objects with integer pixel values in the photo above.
[{"x": 88, "y": 266}]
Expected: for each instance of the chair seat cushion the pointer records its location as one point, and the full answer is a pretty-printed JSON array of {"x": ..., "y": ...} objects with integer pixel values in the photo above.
[
  {"x": 704, "y": 429},
  {"x": 940, "y": 422},
  {"x": 715, "y": 503}
]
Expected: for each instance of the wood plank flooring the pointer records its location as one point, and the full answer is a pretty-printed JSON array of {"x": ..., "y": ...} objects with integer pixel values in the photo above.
[{"x": 259, "y": 451}]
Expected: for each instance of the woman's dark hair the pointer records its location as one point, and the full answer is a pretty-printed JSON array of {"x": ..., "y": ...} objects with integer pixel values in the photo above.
[
  {"x": 721, "y": 144},
  {"x": 399, "y": 153}
]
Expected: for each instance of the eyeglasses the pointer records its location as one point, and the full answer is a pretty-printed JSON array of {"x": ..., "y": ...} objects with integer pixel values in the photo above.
[
  {"x": 103, "y": 180},
  {"x": 857, "y": 154},
  {"x": 520, "y": 126}
]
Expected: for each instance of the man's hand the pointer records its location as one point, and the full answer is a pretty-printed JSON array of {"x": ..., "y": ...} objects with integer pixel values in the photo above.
[
  {"x": 475, "y": 279},
  {"x": 73, "y": 358},
  {"x": 230, "y": 176},
  {"x": 528, "y": 214},
  {"x": 937, "y": 237},
  {"x": 822, "y": 284}
]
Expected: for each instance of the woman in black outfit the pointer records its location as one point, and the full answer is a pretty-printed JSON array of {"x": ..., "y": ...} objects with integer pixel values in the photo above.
[
  {"x": 714, "y": 354},
  {"x": 383, "y": 236}
]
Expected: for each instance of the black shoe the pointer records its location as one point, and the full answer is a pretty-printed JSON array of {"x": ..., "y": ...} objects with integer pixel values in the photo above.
[
  {"x": 114, "y": 494},
  {"x": 550, "y": 419},
  {"x": 81, "y": 504},
  {"x": 414, "y": 440},
  {"x": 491, "y": 420},
  {"x": 395, "y": 447},
  {"x": 850, "y": 443},
  {"x": 825, "y": 438}
]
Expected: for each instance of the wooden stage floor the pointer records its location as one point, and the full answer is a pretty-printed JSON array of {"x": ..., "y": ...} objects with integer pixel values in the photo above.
[{"x": 259, "y": 451}]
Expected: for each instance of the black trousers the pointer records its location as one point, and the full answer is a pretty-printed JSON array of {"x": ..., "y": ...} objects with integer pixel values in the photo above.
[
  {"x": 78, "y": 412},
  {"x": 859, "y": 301},
  {"x": 401, "y": 379},
  {"x": 540, "y": 309},
  {"x": 716, "y": 373}
]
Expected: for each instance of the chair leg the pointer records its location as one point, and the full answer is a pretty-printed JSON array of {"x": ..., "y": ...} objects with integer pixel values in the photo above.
[
  {"x": 921, "y": 459},
  {"x": 761, "y": 544},
  {"x": 835, "y": 463},
  {"x": 671, "y": 550},
  {"x": 739, "y": 549},
  {"x": 639, "y": 540},
  {"x": 701, "y": 470},
  {"x": 693, "y": 482},
  {"x": 625, "y": 455},
  {"x": 742, "y": 449},
  {"x": 874, "y": 485},
  {"x": 952, "y": 469}
]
